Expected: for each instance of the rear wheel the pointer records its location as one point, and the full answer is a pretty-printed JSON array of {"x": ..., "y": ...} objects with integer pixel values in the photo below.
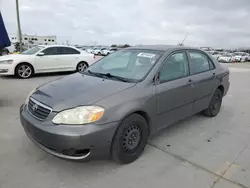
[
  {"x": 130, "y": 139},
  {"x": 24, "y": 71},
  {"x": 214, "y": 105},
  {"x": 81, "y": 67}
]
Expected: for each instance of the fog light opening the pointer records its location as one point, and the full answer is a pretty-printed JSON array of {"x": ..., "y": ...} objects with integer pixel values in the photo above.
[{"x": 76, "y": 152}]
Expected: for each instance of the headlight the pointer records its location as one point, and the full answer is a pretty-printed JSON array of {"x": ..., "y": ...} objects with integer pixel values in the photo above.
[
  {"x": 79, "y": 115},
  {"x": 6, "y": 62},
  {"x": 27, "y": 99}
]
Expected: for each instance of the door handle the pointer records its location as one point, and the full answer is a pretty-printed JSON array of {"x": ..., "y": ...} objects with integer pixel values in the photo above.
[
  {"x": 193, "y": 84},
  {"x": 213, "y": 75}
]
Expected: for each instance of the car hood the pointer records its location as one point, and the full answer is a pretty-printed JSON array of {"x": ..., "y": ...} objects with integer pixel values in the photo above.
[{"x": 77, "y": 90}]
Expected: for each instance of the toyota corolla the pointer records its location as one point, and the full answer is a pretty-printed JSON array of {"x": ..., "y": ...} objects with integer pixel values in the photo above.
[{"x": 114, "y": 106}]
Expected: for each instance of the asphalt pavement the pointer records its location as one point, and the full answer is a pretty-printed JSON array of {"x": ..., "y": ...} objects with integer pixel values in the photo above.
[{"x": 198, "y": 152}]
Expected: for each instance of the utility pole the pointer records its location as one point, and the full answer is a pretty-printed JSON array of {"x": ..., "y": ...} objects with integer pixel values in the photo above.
[{"x": 19, "y": 26}]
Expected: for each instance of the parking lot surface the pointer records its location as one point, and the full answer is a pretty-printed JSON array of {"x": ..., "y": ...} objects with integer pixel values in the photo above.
[{"x": 198, "y": 152}]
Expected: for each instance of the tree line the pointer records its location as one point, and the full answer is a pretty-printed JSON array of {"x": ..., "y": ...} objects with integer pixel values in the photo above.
[{"x": 120, "y": 45}]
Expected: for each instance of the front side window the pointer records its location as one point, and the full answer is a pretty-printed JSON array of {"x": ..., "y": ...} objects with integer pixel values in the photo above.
[
  {"x": 199, "y": 62},
  {"x": 51, "y": 51},
  {"x": 132, "y": 64},
  {"x": 175, "y": 66}
]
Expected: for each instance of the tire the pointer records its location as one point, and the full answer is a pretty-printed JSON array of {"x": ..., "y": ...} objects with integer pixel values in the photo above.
[
  {"x": 81, "y": 66},
  {"x": 24, "y": 71},
  {"x": 99, "y": 53},
  {"x": 108, "y": 53},
  {"x": 214, "y": 105},
  {"x": 130, "y": 139}
]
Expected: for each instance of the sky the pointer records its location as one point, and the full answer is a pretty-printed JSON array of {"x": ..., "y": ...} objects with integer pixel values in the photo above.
[{"x": 214, "y": 23}]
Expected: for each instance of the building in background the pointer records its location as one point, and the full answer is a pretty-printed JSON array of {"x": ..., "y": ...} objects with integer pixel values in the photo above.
[{"x": 34, "y": 39}]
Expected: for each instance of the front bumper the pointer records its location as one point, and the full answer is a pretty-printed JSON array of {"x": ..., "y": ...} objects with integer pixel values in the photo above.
[
  {"x": 7, "y": 69},
  {"x": 69, "y": 142},
  {"x": 224, "y": 60}
]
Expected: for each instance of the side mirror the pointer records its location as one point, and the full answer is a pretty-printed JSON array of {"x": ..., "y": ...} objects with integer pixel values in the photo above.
[
  {"x": 40, "y": 54},
  {"x": 157, "y": 78}
]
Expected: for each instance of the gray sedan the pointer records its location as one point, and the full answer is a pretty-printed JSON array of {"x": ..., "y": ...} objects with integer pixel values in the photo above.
[{"x": 121, "y": 100}]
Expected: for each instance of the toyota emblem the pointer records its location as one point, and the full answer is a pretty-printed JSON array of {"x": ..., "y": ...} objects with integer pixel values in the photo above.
[{"x": 34, "y": 107}]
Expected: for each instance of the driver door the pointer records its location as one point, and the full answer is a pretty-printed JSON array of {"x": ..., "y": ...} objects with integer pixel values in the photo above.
[
  {"x": 174, "y": 91},
  {"x": 49, "y": 61}
]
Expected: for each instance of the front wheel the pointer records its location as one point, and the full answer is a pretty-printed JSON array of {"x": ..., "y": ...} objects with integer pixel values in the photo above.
[
  {"x": 24, "y": 71},
  {"x": 130, "y": 139},
  {"x": 214, "y": 105},
  {"x": 81, "y": 67}
]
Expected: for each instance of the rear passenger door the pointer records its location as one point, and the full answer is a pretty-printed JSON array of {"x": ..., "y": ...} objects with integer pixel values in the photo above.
[
  {"x": 203, "y": 79},
  {"x": 69, "y": 58}
]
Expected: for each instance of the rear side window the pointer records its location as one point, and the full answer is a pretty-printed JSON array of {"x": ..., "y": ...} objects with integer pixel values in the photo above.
[
  {"x": 200, "y": 62},
  {"x": 68, "y": 51}
]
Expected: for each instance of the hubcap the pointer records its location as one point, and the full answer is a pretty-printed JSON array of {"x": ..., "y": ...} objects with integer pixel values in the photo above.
[
  {"x": 82, "y": 67},
  {"x": 131, "y": 138},
  {"x": 24, "y": 71}
]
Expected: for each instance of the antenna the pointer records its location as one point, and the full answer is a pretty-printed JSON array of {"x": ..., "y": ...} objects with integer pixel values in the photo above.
[{"x": 181, "y": 44}]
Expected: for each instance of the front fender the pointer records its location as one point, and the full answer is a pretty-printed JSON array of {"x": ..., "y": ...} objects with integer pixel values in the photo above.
[{"x": 120, "y": 111}]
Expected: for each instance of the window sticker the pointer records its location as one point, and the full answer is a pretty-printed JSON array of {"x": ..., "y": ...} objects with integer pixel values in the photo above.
[{"x": 148, "y": 55}]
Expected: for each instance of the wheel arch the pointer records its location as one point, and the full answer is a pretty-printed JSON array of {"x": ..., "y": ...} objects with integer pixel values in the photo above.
[
  {"x": 27, "y": 63},
  {"x": 222, "y": 89},
  {"x": 142, "y": 113},
  {"x": 82, "y": 62}
]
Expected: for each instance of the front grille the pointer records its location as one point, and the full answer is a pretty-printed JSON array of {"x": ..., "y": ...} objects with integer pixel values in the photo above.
[{"x": 38, "y": 110}]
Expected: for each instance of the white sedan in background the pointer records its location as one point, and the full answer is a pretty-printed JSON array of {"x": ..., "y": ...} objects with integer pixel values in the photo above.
[
  {"x": 225, "y": 58},
  {"x": 108, "y": 51},
  {"x": 41, "y": 59},
  {"x": 241, "y": 56}
]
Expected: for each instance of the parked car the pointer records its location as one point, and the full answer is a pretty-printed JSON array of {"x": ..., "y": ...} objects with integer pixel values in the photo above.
[
  {"x": 121, "y": 100},
  {"x": 98, "y": 51},
  {"x": 241, "y": 56},
  {"x": 225, "y": 58},
  {"x": 90, "y": 50},
  {"x": 42, "y": 59},
  {"x": 108, "y": 51},
  {"x": 216, "y": 54}
]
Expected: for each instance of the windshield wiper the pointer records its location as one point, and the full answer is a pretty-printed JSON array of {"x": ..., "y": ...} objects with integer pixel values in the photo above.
[{"x": 109, "y": 76}]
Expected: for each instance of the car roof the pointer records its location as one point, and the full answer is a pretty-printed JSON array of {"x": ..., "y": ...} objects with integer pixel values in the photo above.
[
  {"x": 56, "y": 45},
  {"x": 161, "y": 47}
]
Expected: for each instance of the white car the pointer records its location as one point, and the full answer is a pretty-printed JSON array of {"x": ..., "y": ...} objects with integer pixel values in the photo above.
[
  {"x": 225, "y": 58},
  {"x": 216, "y": 54},
  {"x": 97, "y": 51},
  {"x": 241, "y": 56},
  {"x": 41, "y": 59},
  {"x": 108, "y": 51}
]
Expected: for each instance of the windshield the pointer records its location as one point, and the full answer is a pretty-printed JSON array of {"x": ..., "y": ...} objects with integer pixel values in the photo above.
[
  {"x": 32, "y": 51},
  {"x": 129, "y": 64}
]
